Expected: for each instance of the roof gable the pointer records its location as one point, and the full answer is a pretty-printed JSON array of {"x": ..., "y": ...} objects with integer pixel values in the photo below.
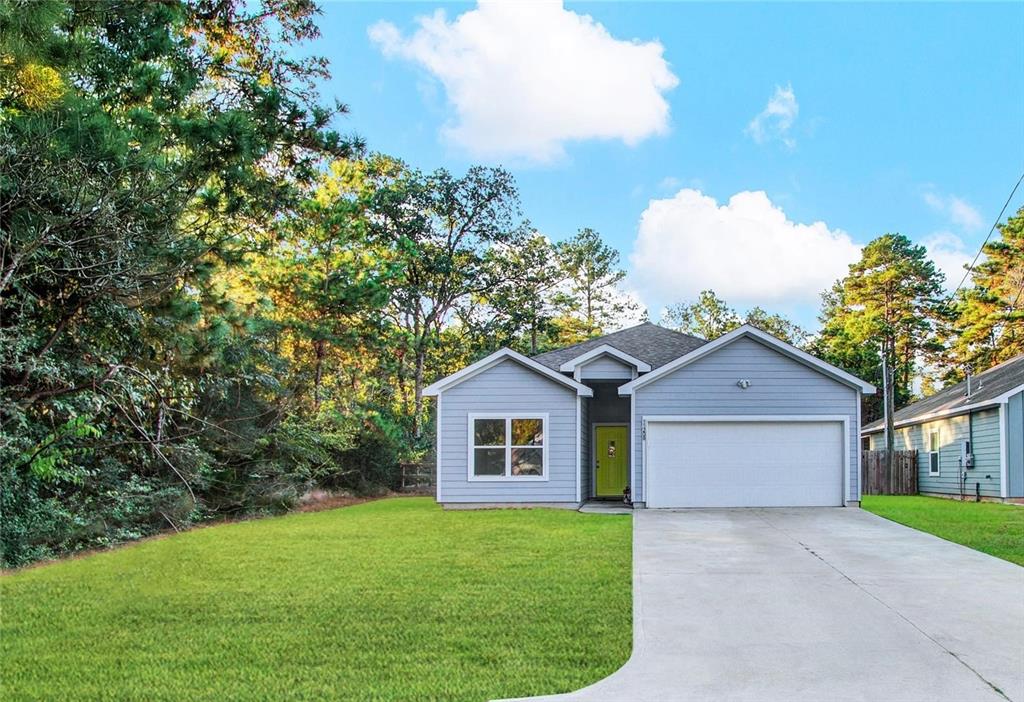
[
  {"x": 604, "y": 350},
  {"x": 748, "y": 331},
  {"x": 988, "y": 388},
  {"x": 494, "y": 359}
]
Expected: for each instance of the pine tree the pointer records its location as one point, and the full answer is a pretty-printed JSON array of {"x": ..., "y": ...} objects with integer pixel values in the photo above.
[
  {"x": 890, "y": 304},
  {"x": 592, "y": 301},
  {"x": 989, "y": 323}
]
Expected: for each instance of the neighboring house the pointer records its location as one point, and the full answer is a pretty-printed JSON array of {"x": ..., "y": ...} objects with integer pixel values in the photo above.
[
  {"x": 745, "y": 420},
  {"x": 983, "y": 420}
]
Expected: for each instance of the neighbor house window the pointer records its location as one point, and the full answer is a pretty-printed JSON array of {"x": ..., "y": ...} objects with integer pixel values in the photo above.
[
  {"x": 507, "y": 447},
  {"x": 933, "y": 453}
]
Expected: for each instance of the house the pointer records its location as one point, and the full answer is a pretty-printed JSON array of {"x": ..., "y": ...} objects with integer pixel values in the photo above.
[
  {"x": 668, "y": 419},
  {"x": 969, "y": 436}
]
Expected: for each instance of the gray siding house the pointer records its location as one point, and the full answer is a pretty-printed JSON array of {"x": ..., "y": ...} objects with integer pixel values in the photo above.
[
  {"x": 969, "y": 437},
  {"x": 652, "y": 416}
]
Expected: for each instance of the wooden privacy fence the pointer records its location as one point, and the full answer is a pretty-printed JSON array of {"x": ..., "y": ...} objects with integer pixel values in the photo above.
[{"x": 902, "y": 480}]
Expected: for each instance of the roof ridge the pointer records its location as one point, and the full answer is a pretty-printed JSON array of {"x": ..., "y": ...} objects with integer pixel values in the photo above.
[
  {"x": 955, "y": 398},
  {"x": 603, "y": 337},
  {"x": 676, "y": 331}
]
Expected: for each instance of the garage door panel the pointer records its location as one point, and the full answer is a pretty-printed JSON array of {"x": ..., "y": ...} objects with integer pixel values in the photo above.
[{"x": 744, "y": 464}]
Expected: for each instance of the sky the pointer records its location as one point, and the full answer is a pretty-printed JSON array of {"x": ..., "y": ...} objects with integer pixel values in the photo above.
[{"x": 749, "y": 149}]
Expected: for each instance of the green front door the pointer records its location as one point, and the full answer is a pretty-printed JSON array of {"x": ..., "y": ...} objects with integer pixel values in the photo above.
[{"x": 611, "y": 459}]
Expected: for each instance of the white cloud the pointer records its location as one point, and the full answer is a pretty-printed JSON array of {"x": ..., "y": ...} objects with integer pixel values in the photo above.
[
  {"x": 777, "y": 117},
  {"x": 963, "y": 214},
  {"x": 747, "y": 251},
  {"x": 669, "y": 183},
  {"x": 525, "y": 78},
  {"x": 934, "y": 201},
  {"x": 950, "y": 255},
  {"x": 959, "y": 211}
]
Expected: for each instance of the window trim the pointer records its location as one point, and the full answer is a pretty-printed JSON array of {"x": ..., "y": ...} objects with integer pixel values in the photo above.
[
  {"x": 507, "y": 477},
  {"x": 937, "y": 458}
]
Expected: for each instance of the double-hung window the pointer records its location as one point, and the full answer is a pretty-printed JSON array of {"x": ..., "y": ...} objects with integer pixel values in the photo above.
[
  {"x": 933, "y": 452},
  {"x": 508, "y": 447}
]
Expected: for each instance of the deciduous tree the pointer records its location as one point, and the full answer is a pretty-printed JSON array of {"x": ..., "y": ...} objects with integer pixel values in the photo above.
[
  {"x": 444, "y": 228},
  {"x": 710, "y": 317}
]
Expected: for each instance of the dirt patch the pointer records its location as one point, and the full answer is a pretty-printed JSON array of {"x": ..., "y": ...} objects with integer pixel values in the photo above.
[{"x": 318, "y": 501}]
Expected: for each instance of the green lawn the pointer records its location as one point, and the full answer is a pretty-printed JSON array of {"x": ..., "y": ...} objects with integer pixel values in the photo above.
[
  {"x": 993, "y": 528},
  {"x": 389, "y": 600}
]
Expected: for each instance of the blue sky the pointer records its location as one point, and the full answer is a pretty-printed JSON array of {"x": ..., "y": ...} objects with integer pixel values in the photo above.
[{"x": 641, "y": 121}]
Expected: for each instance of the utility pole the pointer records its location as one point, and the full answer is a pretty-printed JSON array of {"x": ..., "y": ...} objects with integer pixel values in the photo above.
[{"x": 887, "y": 409}]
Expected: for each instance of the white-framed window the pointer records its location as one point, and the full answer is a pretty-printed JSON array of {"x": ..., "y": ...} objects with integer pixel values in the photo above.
[
  {"x": 933, "y": 452},
  {"x": 508, "y": 446}
]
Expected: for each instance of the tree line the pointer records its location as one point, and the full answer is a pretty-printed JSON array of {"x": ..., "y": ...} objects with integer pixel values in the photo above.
[{"x": 212, "y": 302}]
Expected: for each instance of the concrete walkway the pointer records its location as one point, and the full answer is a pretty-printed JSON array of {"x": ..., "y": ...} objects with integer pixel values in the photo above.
[{"x": 815, "y": 604}]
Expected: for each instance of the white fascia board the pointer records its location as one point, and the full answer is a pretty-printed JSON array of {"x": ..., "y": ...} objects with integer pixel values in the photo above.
[
  {"x": 496, "y": 358},
  {"x": 751, "y": 332},
  {"x": 952, "y": 412},
  {"x": 1005, "y": 397},
  {"x": 439, "y": 450},
  {"x": 604, "y": 350},
  {"x": 1004, "y": 453}
]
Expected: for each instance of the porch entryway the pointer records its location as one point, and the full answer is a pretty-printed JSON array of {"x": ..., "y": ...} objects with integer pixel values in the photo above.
[{"x": 605, "y": 451}]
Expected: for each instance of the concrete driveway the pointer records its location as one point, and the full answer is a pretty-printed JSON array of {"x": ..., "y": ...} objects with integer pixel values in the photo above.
[{"x": 815, "y": 604}]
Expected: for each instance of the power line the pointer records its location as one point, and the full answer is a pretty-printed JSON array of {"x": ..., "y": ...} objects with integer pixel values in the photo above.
[{"x": 999, "y": 218}]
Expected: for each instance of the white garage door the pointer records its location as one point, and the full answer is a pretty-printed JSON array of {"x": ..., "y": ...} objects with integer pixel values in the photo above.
[{"x": 744, "y": 464}]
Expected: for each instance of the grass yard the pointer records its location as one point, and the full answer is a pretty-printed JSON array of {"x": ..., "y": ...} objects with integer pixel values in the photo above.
[
  {"x": 389, "y": 600},
  {"x": 990, "y": 527}
]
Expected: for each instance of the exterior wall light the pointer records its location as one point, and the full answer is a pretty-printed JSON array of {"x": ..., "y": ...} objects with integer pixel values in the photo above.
[{"x": 743, "y": 383}]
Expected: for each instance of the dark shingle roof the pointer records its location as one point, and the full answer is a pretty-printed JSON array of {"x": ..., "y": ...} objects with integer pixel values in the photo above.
[
  {"x": 650, "y": 343},
  {"x": 985, "y": 387}
]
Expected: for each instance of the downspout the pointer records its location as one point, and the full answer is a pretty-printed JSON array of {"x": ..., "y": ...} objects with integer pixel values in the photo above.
[{"x": 970, "y": 438}]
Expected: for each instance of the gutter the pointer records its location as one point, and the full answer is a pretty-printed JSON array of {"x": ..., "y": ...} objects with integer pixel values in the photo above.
[{"x": 940, "y": 414}]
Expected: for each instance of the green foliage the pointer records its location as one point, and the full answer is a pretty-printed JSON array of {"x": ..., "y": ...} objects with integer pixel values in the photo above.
[
  {"x": 210, "y": 302},
  {"x": 776, "y": 325},
  {"x": 710, "y": 317},
  {"x": 890, "y": 304},
  {"x": 391, "y": 600},
  {"x": 591, "y": 302},
  {"x": 989, "y": 323},
  {"x": 445, "y": 229},
  {"x": 50, "y": 460},
  {"x": 134, "y": 144},
  {"x": 840, "y": 347},
  {"x": 519, "y": 311}
]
